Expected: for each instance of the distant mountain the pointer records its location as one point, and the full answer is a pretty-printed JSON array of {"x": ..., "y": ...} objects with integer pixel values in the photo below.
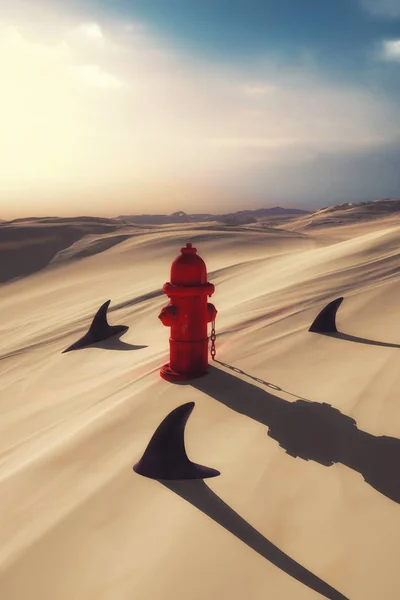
[
  {"x": 241, "y": 217},
  {"x": 177, "y": 217},
  {"x": 245, "y": 217},
  {"x": 276, "y": 210}
]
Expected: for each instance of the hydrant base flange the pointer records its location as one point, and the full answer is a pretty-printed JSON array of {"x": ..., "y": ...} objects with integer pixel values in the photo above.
[{"x": 170, "y": 375}]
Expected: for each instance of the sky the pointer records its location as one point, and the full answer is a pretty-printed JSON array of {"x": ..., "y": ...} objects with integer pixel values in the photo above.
[{"x": 112, "y": 107}]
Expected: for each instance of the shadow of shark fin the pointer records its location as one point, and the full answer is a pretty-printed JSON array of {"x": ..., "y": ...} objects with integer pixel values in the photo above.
[
  {"x": 165, "y": 457},
  {"x": 325, "y": 322}
]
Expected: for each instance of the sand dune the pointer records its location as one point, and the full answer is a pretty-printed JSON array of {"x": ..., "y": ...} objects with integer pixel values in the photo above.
[
  {"x": 307, "y": 503},
  {"x": 28, "y": 245},
  {"x": 348, "y": 215}
]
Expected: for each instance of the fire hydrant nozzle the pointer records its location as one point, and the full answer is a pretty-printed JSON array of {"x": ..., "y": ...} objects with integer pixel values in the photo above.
[{"x": 188, "y": 315}]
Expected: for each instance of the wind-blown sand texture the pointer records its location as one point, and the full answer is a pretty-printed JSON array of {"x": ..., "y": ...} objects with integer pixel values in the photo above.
[{"x": 77, "y": 523}]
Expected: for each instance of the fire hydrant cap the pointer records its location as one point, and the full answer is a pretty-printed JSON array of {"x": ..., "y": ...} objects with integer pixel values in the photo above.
[{"x": 188, "y": 268}]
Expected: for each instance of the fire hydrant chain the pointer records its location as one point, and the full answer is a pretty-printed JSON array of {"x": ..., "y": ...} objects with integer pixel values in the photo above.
[{"x": 213, "y": 338}]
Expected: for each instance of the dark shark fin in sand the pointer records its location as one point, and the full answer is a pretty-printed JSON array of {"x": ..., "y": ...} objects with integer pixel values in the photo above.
[
  {"x": 325, "y": 322},
  {"x": 99, "y": 330},
  {"x": 165, "y": 456}
]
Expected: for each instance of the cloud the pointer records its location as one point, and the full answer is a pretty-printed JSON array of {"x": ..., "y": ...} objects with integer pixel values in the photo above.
[
  {"x": 253, "y": 142},
  {"x": 132, "y": 118},
  {"x": 391, "y": 50},
  {"x": 258, "y": 90},
  {"x": 327, "y": 177},
  {"x": 382, "y": 8},
  {"x": 93, "y": 75},
  {"x": 16, "y": 43},
  {"x": 91, "y": 31}
]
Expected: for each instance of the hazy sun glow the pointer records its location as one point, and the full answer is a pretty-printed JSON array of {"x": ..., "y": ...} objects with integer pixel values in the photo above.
[{"x": 105, "y": 118}]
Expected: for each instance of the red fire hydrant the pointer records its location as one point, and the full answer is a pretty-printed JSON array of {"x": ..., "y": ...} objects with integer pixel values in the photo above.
[{"x": 188, "y": 314}]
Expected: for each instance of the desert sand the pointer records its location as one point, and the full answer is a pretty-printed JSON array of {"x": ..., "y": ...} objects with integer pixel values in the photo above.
[{"x": 77, "y": 523}]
